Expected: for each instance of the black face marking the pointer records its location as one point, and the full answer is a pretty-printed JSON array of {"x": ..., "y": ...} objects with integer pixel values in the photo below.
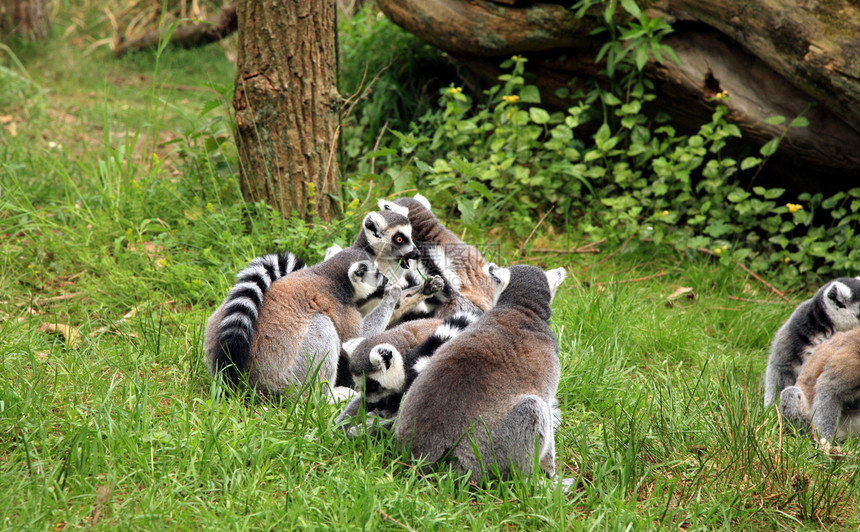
[
  {"x": 361, "y": 270},
  {"x": 386, "y": 355},
  {"x": 371, "y": 386},
  {"x": 371, "y": 226},
  {"x": 834, "y": 295}
]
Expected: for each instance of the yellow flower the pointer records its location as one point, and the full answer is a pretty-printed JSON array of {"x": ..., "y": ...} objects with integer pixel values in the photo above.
[
  {"x": 511, "y": 99},
  {"x": 665, "y": 213},
  {"x": 455, "y": 90},
  {"x": 793, "y": 207},
  {"x": 718, "y": 250},
  {"x": 722, "y": 95},
  {"x": 509, "y": 115},
  {"x": 786, "y": 260}
]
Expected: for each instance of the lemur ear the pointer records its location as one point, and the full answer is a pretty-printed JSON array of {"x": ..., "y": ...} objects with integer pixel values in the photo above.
[
  {"x": 839, "y": 293},
  {"x": 333, "y": 250},
  {"x": 381, "y": 356},
  {"x": 373, "y": 222},
  {"x": 423, "y": 201},
  {"x": 350, "y": 346},
  {"x": 500, "y": 276},
  {"x": 555, "y": 278},
  {"x": 385, "y": 205}
]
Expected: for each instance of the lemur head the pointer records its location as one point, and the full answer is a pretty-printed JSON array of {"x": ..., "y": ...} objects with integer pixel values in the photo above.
[
  {"x": 378, "y": 370},
  {"x": 389, "y": 235},
  {"x": 523, "y": 282},
  {"x": 841, "y": 301},
  {"x": 365, "y": 278}
]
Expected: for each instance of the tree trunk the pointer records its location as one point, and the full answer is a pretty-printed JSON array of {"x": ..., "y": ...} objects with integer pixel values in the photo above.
[
  {"x": 286, "y": 105},
  {"x": 28, "y": 18},
  {"x": 771, "y": 56}
]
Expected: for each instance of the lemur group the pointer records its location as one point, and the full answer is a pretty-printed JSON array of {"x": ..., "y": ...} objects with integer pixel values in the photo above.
[{"x": 427, "y": 342}]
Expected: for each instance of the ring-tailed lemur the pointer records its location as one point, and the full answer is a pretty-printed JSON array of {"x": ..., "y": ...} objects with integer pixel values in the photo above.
[
  {"x": 300, "y": 324},
  {"x": 385, "y": 235},
  {"x": 835, "y": 307},
  {"x": 240, "y": 310},
  {"x": 827, "y": 393},
  {"x": 467, "y": 286},
  {"x": 484, "y": 402},
  {"x": 384, "y": 366}
]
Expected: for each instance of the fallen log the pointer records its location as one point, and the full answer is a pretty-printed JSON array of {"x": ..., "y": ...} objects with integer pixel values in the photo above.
[
  {"x": 772, "y": 58},
  {"x": 204, "y": 32}
]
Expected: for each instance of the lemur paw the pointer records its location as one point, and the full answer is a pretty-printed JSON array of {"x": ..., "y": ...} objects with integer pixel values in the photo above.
[
  {"x": 393, "y": 291},
  {"x": 433, "y": 285}
]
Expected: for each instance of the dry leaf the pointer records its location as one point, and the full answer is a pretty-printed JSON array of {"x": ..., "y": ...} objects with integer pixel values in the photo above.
[
  {"x": 12, "y": 129},
  {"x": 5, "y": 119},
  {"x": 682, "y": 291},
  {"x": 70, "y": 334},
  {"x": 153, "y": 250}
]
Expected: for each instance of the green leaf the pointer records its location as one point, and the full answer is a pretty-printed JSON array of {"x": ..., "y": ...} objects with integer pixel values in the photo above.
[
  {"x": 530, "y": 94},
  {"x": 381, "y": 153},
  {"x": 770, "y": 148},
  {"x": 737, "y": 196},
  {"x": 750, "y": 162},
  {"x": 538, "y": 115},
  {"x": 775, "y": 120},
  {"x": 800, "y": 121},
  {"x": 481, "y": 189},
  {"x": 602, "y": 134},
  {"x": 631, "y": 7},
  {"x": 610, "y": 99}
]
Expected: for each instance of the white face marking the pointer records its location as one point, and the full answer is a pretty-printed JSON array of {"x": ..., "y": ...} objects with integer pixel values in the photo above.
[
  {"x": 390, "y": 373},
  {"x": 365, "y": 278},
  {"x": 501, "y": 278},
  {"x": 842, "y": 312},
  {"x": 554, "y": 278},
  {"x": 385, "y": 205}
]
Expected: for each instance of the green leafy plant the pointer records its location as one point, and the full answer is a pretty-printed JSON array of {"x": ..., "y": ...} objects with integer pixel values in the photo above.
[{"x": 606, "y": 170}]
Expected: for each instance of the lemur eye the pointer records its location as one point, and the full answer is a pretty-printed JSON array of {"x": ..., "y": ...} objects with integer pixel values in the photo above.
[
  {"x": 371, "y": 386},
  {"x": 398, "y": 239}
]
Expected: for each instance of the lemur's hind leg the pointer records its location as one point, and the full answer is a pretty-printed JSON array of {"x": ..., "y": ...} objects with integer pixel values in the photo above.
[{"x": 527, "y": 428}]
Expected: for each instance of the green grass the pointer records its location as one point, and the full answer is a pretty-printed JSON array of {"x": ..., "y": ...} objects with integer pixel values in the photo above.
[{"x": 663, "y": 425}]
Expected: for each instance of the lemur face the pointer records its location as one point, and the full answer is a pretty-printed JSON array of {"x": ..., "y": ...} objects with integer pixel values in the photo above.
[
  {"x": 378, "y": 371},
  {"x": 390, "y": 235},
  {"x": 366, "y": 279},
  {"x": 842, "y": 303}
]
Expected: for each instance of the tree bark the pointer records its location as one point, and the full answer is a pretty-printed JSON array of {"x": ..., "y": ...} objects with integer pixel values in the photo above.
[
  {"x": 27, "y": 18},
  {"x": 773, "y": 57},
  {"x": 286, "y": 105}
]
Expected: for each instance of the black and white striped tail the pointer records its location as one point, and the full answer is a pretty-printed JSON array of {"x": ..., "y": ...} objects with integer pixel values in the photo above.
[
  {"x": 450, "y": 328},
  {"x": 242, "y": 308}
]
